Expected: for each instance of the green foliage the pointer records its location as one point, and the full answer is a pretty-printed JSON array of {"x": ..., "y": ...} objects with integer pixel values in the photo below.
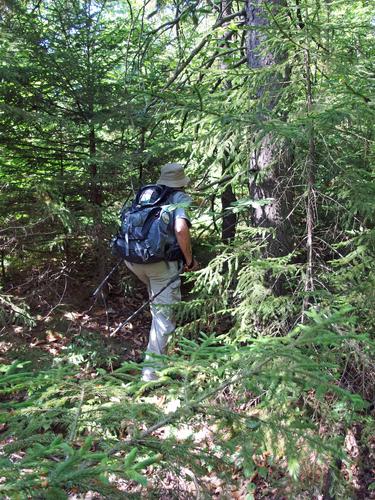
[
  {"x": 87, "y": 350},
  {"x": 95, "y": 96},
  {"x": 12, "y": 313},
  {"x": 68, "y": 428}
]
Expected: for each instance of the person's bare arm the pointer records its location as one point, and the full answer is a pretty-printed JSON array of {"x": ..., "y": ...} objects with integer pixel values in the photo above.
[{"x": 184, "y": 241}]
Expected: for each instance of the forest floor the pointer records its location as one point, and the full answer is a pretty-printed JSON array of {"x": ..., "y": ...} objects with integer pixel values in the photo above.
[
  {"x": 70, "y": 324},
  {"x": 67, "y": 315}
]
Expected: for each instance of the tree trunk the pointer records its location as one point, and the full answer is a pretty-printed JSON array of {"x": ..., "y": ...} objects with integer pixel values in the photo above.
[
  {"x": 310, "y": 181},
  {"x": 270, "y": 161},
  {"x": 96, "y": 199},
  {"x": 229, "y": 221},
  {"x": 3, "y": 272},
  {"x": 95, "y": 194},
  {"x": 228, "y": 227}
]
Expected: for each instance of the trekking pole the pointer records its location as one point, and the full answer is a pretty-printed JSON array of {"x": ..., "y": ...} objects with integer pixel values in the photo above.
[
  {"x": 151, "y": 299},
  {"x": 107, "y": 278}
]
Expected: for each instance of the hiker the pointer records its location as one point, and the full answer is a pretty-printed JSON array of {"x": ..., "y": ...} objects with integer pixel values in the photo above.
[{"x": 156, "y": 275}]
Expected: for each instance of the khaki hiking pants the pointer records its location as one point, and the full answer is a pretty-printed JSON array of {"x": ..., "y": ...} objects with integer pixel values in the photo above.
[{"x": 156, "y": 276}]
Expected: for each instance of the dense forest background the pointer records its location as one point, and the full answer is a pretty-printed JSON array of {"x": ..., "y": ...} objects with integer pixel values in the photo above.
[{"x": 268, "y": 386}]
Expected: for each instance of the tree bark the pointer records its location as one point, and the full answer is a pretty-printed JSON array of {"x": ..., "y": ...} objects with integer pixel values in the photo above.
[
  {"x": 228, "y": 227},
  {"x": 271, "y": 159},
  {"x": 229, "y": 221}
]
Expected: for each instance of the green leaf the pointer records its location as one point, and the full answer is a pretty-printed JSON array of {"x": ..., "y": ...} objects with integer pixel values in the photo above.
[
  {"x": 293, "y": 467},
  {"x": 263, "y": 472},
  {"x": 130, "y": 457},
  {"x": 135, "y": 476}
]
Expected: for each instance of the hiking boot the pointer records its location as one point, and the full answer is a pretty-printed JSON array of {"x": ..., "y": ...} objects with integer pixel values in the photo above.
[{"x": 148, "y": 375}]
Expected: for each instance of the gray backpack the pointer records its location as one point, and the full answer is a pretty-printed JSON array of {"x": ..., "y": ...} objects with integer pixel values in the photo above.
[{"x": 146, "y": 233}]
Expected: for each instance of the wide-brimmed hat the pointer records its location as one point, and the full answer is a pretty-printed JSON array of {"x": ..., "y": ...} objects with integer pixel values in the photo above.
[{"x": 173, "y": 175}]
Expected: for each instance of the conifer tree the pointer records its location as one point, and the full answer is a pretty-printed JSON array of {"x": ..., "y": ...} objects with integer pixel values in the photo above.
[
  {"x": 270, "y": 161},
  {"x": 95, "y": 96}
]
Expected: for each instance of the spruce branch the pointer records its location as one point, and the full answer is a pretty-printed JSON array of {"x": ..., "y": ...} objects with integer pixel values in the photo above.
[
  {"x": 220, "y": 22},
  {"x": 188, "y": 407},
  {"x": 73, "y": 431}
]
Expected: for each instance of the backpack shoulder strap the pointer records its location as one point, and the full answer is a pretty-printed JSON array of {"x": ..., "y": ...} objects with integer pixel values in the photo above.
[
  {"x": 172, "y": 192},
  {"x": 163, "y": 193},
  {"x": 169, "y": 192}
]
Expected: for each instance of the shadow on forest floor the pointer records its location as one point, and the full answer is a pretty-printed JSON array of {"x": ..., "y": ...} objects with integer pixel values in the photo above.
[{"x": 72, "y": 325}]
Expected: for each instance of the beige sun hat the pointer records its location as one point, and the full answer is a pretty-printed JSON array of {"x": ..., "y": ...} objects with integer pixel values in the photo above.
[{"x": 173, "y": 175}]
